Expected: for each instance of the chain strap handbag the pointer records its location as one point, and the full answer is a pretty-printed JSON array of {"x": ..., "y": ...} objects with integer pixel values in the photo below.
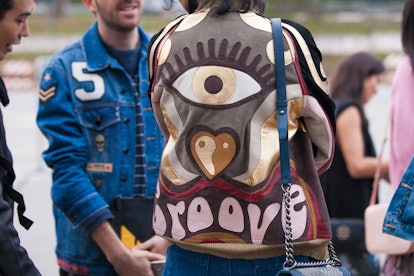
[{"x": 331, "y": 266}]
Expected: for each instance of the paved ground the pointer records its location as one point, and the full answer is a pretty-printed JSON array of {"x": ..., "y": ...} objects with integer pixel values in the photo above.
[{"x": 33, "y": 178}]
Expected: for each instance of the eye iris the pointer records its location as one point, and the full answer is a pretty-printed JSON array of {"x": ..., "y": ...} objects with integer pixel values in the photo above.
[
  {"x": 213, "y": 85},
  {"x": 202, "y": 144}
]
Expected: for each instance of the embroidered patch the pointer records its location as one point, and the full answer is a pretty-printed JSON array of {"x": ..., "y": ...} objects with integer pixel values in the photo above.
[
  {"x": 99, "y": 167},
  {"x": 45, "y": 95},
  {"x": 47, "y": 77},
  {"x": 213, "y": 152},
  {"x": 100, "y": 142},
  {"x": 72, "y": 267}
]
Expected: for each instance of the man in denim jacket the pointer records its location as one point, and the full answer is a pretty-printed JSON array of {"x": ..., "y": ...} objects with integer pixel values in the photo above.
[{"x": 90, "y": 94}]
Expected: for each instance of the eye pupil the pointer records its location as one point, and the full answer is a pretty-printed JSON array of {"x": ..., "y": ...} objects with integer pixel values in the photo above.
[{"x": 213, "y": 84}]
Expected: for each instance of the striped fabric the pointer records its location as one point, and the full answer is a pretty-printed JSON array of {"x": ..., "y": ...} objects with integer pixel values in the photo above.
[{"x": 139, "y": 184}]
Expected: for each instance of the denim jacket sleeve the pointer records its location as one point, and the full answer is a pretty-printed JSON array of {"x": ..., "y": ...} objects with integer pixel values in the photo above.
[
  {"x": 72, "y": 190},
  {"x": 399, "y": 219}
]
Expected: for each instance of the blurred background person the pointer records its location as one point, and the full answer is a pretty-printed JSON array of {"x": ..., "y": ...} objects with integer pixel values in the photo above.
[
  {"x": 402, "y": 128},
  {"x": 348, "y": 182},
  {"x": 104, "y": 143},
  {"x": 14, "y": 260}
]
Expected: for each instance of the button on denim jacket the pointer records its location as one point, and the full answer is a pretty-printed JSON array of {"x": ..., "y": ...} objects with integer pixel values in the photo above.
[
  {"x": 399, "y": 220},
  {"x": 87, "y": 113}
]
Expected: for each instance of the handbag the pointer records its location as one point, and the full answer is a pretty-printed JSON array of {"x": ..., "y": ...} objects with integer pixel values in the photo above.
[
  {"x": 331, "y": 266},
  {"x": 132, "y": 219},
  {"x": 399, "y": 217},
  {"x": 378, "y": 242},
  {"x": 348, "y": 235}
]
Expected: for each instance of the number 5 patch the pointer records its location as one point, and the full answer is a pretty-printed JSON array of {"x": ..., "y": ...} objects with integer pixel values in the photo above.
[{"x": 78, "y": 72}]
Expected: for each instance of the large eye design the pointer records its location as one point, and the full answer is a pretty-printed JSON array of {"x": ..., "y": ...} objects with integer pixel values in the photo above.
[
  {"x": 219, "y": 74},
  {"x": 216, "y": 85}
]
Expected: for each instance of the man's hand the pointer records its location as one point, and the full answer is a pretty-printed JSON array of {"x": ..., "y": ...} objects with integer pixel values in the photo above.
[
  {"x": 125, "y": 261},
  {"x": 136, "y": 262},
  {"x": 156, "y": 244}
]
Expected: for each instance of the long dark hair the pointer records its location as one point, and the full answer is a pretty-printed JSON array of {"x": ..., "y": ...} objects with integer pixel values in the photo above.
[
  {"x": 5, "y": 6},
  {"x": 407, "y": 26},
  {"x": 347, "y": 82},
  {"x": 220, "y": 7}
]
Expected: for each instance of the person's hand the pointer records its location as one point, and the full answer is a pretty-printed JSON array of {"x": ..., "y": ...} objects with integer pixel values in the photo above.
[
  {"x": 126, "y": 261},
  {"x": 135, "y": 262},
  {"x": 156, "y": 244}
]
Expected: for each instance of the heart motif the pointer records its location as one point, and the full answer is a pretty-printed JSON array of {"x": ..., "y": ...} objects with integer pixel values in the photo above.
[{"x": 212, "y": 153}]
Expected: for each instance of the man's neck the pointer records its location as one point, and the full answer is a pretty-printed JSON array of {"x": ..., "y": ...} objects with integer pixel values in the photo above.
[{"x": 119, "y": 40}]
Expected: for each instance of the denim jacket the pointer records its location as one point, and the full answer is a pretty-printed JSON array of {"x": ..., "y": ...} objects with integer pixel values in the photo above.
[
  {"x": 87, "y": 113},
  {"x": 399, "y": 219}
]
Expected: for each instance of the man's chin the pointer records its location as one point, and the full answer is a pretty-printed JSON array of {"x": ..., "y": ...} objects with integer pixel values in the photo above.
[{"x": 127, "y": 25}]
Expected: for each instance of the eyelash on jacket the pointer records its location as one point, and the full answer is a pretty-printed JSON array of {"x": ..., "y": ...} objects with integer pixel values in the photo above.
[{"x": 235, "y": 58}]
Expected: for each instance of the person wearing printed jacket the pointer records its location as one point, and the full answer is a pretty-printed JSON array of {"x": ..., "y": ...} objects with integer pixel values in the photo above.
[
  {"x": 219, "y": 196},
  {"x": 87, "y": 111}
]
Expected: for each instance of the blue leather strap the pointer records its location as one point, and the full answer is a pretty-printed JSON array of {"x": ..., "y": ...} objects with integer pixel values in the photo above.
[{"x": 281, "y": 101}]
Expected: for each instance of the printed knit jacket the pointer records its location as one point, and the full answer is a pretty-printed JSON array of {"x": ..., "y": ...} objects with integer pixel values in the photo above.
[{"x": 213, "y": 93}]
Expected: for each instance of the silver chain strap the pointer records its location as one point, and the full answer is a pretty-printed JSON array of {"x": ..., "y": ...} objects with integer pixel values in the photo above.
[{"x": 290, "y": 262}]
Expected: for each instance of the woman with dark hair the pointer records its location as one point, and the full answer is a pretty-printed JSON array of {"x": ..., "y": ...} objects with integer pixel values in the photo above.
[
  {"x": 14, "y": 259},
  {"x": 219, "y": 199},
  {"x": 402, "y": 129},
  {"x": 348, "y": 182}
]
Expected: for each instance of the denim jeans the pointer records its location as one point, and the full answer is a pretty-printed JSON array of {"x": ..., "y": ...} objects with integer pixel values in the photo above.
[{"x": 183, "y": 262}]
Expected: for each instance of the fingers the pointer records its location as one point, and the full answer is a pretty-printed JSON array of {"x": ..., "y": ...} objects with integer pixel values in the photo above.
[
  {"x": 156, "y": 244},
  {"x": 156, "y": 257},
  {"x": 151, "y": 256},
  {"x": 147, "y": 245}
]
